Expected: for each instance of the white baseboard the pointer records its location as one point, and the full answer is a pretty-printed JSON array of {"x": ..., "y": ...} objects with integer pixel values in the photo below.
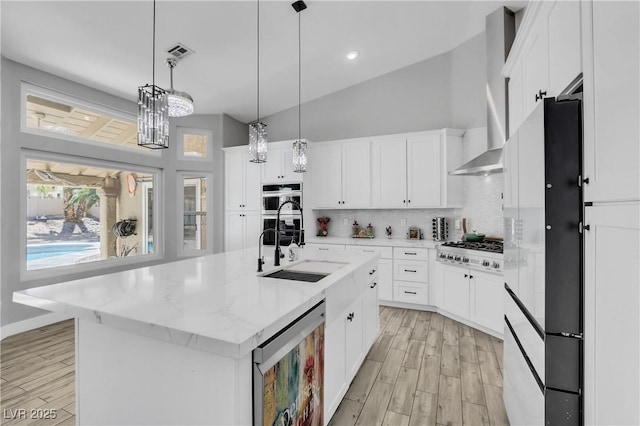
[{"x": 32, "y": 323}]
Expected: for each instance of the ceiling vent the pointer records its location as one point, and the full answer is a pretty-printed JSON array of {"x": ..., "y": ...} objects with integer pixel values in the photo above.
[{"x": 179, "y": 51}]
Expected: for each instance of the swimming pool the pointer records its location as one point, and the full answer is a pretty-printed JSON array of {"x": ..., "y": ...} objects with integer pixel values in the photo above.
[{"x": 58, "y": 254}]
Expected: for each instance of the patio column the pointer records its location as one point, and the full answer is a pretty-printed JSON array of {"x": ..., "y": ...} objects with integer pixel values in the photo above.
[{"x": 108, "y": 212}]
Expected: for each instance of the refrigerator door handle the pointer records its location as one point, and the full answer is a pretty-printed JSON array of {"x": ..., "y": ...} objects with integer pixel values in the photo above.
[{"x": 565, "y": 334}]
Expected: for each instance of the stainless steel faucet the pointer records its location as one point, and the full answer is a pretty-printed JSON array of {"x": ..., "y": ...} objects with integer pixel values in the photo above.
[{"x": 278, "y": 253}]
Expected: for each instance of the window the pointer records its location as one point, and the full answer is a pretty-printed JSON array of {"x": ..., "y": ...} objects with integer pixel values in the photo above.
[
  {"x": 194, "y": 144},
  {"x": 79, "y": 212},
  {"x": 195, "y": 231},
  {"x": 63, "y": 116}
]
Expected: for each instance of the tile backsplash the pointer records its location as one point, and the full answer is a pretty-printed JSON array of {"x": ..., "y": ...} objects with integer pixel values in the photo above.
[{"x": 483, "y": 204}]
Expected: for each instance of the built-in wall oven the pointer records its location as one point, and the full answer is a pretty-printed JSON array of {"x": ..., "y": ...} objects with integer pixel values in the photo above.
[{"x": 290, "y": 218}]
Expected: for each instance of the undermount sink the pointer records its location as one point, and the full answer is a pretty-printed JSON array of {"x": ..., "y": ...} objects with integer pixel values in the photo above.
[{"x": 308, "y": 271}]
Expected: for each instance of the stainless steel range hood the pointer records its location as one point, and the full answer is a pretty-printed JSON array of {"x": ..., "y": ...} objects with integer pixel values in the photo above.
[{"x": 500, "y": 32}]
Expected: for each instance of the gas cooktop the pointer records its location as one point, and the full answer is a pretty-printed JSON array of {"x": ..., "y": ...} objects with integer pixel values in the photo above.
[{"x": 490, "y": 246}]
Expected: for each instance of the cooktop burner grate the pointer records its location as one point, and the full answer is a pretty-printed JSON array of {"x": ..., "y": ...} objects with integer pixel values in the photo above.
[{"x": 490, "y": 246}]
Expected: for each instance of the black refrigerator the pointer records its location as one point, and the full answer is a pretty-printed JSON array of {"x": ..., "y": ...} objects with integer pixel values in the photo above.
[{"x": 543, "y": 249}]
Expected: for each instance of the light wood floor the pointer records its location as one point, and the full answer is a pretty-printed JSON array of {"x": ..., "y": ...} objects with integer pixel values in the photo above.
[
  {"x": 426, "y": 369},
  {"x": 38, "y": 373}
]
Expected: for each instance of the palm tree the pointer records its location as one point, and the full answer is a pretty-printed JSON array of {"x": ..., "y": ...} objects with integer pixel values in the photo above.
[{"x": 85, "y": 198}]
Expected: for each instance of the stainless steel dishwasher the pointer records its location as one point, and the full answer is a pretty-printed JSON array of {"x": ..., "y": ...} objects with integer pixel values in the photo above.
[{"x": 288, "y": 374}]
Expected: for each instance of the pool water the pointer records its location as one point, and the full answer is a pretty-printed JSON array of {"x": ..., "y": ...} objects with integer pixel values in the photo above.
[{"x": 49, "y": 250}]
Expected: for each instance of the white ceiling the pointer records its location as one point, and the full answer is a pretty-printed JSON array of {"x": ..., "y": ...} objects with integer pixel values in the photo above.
[{"x": 107, "y": 44}]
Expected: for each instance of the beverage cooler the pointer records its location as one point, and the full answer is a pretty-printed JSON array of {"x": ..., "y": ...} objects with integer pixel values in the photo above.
[{"x": 288, "y": 374}]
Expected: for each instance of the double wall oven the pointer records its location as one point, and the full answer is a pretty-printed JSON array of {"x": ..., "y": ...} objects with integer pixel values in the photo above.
[{"x": 273, "y": 195}]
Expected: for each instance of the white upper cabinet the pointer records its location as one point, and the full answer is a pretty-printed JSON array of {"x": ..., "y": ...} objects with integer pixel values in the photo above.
[
  {"x": 412, "y": 170},
  {"x": 565, "y": 59},
  {"x": 545, "y": 57},
  {"x": 389, "y": 172},
  {"x": 611, "y": 101},
  {"x": 279, "y": 165},
  {"x": 340, "y": 172},
  {"x": 242, "y": 180}
]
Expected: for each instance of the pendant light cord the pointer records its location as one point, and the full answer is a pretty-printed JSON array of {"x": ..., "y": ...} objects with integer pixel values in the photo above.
[
  {"x": 299, "y": 76},
  {"x": 153, "y": 52},
  {"x": 258, "y": 62}
]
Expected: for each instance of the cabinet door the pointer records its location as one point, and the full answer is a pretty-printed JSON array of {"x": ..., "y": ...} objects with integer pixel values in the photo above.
[
  {"x": 564, "y": 45},
  {"x": 252, "y": 185},
  {"x": 327, "y": 182},
  {"x": 286, "y": 164},
  {"x": 389, "y": 173},
  {"x": 385, "y": 279},
  {"x": 234, "y": 179},
  {"x": 424, "y": 171},
  {"x": 252, "y": 228},
  {"x": 612, "y": 315},
  {"x": 511, "y": 172},
  {"x": 535, "y": 70},
  {"x": 354, "y": 327},
  {"x": 516, "y": 99},
  {"x": 371, "y": 312},
  {"x": 455, "y": 291},
  {"x": 356, "y": 175},
  {"x": 334, "y": 365},
  {"x": 234, "y": 231},
  {"x": 486, "y": 300},
  {"x": 272, "y": 169},
  {"x": 612, "y": 107}
]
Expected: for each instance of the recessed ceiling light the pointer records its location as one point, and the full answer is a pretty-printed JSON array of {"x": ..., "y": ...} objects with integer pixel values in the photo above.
[{"x": 352, "y": 55}]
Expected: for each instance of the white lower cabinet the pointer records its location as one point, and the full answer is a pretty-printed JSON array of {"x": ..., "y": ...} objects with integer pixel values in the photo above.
[
  {"x": 485, "y": 300},
  {"x": 354, "y": 343},
  {"x": 411, "y": 275},
  {"x": 372, "y": 310},
  {"x": 455, "y": 290},
  {"x": 323, "y": 247},
  {"x": 385, "y": 279},
  {"x": 242, "y": 229}
]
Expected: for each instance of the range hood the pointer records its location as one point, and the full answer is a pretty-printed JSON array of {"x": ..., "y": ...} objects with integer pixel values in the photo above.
[{"x": 500, "y": 32}]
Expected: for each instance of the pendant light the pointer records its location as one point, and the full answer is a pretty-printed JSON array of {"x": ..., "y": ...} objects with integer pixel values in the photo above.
[
  {"x": 300, "y": 145},
  {"x": 153, "y": 111},
  {"x": 180, "y": 103},
  {"x": 257, "y": 129}
]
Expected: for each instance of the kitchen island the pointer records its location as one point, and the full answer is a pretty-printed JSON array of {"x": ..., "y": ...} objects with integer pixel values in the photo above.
[{"x": 172, "y": 343}]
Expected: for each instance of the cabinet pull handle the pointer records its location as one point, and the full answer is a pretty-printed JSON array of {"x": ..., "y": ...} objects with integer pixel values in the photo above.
[
  {"x": 410, "y": 292},
  {"x": 369, "y": 251},
  {"x": 471, "y": 276},
  {"x": 410, "y": 253},
  {"x": 466, "y": 275},
  {"x": 350, "y": 316},
  {"x": 410, "y": 270},
  {"x": 371, "y": 272},
  {"x": 322, "y": 248},
  {"x": 409, "y": 201},
  {"x": 540, "y": 94},
  {"x": 404, "y": 201},
  {"x": 374, "y": 284}
]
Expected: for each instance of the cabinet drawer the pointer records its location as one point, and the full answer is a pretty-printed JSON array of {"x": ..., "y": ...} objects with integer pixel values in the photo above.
[
  {"x": 411, "y": 270},
  {"x": 411, "y": 292},
  {"x": 385, "y": 252},
  {"x": 411, "y": 253},
  {"x": 323, "y": 247}
]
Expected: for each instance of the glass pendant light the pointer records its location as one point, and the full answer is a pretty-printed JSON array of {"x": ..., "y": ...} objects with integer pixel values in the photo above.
[
  {"x": 180, "y": 103},
  {"x": 257, "y": 129},
  {"x": 153, "y": 109},
  {"x": 300, "y": 145}
]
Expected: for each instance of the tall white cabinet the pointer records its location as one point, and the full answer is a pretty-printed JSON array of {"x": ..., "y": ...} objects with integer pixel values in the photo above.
[{"x": 242, "y": 199}]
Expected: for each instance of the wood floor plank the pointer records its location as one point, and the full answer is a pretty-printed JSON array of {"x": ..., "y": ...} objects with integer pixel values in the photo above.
[
  {"x": 491, "y": 374},
  {"x": 425, "y": 408},
  {"x": 363, "y": 382},
  {"x": 474, "y": 415},
  {"x": 404, "y": 391},
  {"x": 450, "y": 334},
  {"x": 346, "y": 414},
  {"x": 401, "y": 340},
  {"x": 71, "y": 408},
  {"x": 471, "y": 382},
  {"x": 378, "y": 351},
  {"x": 395, "y": 419},
  {"x": 424, "y": 315},
  {"x": 468, "y": 351},
  {"x": 429, "y": 376},
  {"x": 498, "y": 349},
  {"x": 11, "y": 391},
  {"x": 37, "y": 380},
  {"x": 409, "y": 319},
  {"x": 399, "y": 312},
  {"x": 376, "y": 405},
  {"x": 420, "y": 330},
  {"x": 483, "y": 341},
  {"x": 449, "y": 401},
  {"x": 413, "y": 358},
  {"x": 433, "y": 344},
  {"x": 392, "y": 325},
  {"x": 465, "y": 330},
  {"x": 29, "y": 405},
  {"x": 450, "y": 362},
  {"x": 391, "y": 366},
  {"x": 437, "y": 322},
  {"x": 56, "y": 388},
  {"x": 495, "y": 406},
  {"x": 385, "y": 314}
]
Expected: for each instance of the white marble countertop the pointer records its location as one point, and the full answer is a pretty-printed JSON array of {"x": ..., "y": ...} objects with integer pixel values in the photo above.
[
  {"x": 378, "y": 241},
  {"x": 215, "y": 303}
]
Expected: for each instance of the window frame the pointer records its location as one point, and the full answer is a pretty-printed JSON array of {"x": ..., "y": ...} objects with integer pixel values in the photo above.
[
  {"x": 98, "y": 265},
  {"x": 181, "y": 175}
]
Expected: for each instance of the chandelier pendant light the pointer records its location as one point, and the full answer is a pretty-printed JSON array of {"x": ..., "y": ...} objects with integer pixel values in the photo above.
[
  {"x": 180, "y": 103},
  {"x": 153, "y": 111},
  {"x": 257, "y": 129},
  {"x": 300, "y": 145}
]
